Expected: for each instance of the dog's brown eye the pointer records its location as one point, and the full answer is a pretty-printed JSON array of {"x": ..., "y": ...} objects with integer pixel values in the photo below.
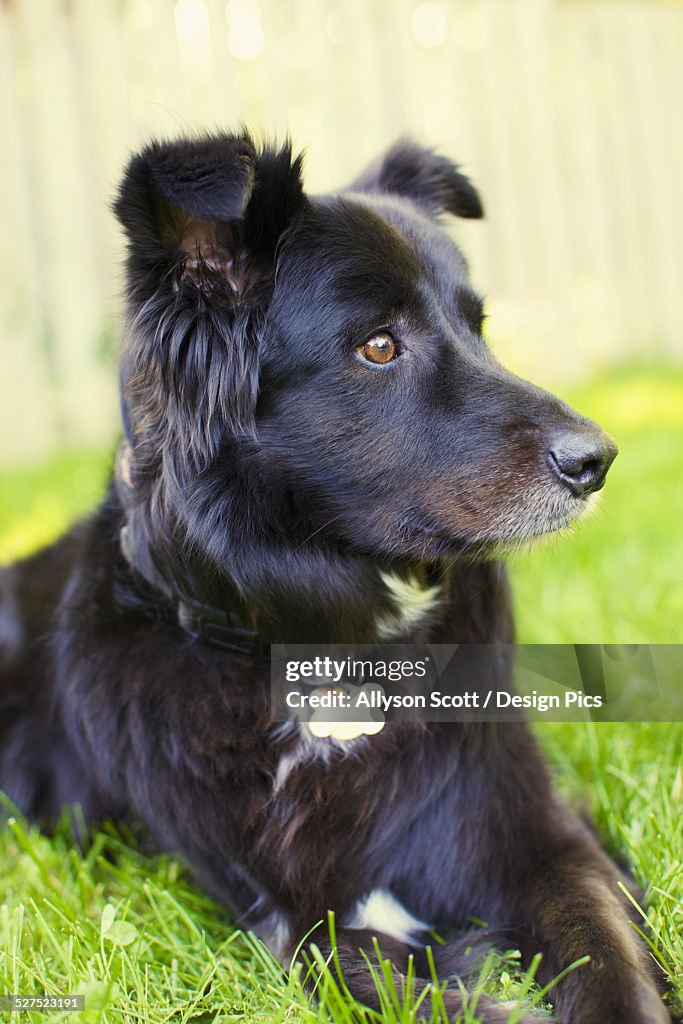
[{"x": 380, "y": 348}]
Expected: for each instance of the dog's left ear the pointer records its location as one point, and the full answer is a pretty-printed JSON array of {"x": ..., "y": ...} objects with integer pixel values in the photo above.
[{"x": 424, "y": 177}]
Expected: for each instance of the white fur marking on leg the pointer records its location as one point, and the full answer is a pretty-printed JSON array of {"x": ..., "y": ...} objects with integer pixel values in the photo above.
[
  {"x": 274, "y": 931},
  {"x": 380, "y": 911}
]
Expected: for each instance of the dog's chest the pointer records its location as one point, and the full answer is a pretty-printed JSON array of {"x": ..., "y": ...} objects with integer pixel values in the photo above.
[
  {"x": 321, "y": 786},
  {"x": 335, "y": 804},
  {"x": 321, "y": 825},
  {"x": 350, "y": 820},
  {"x": 304, "y": 756}
]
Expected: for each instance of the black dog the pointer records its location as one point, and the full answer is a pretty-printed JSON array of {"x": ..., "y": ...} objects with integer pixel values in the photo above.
[{"x": 319, "y": 448}]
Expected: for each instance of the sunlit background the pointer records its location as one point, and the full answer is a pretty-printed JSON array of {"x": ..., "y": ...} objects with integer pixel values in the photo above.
[{"x": 566, "y": 113}]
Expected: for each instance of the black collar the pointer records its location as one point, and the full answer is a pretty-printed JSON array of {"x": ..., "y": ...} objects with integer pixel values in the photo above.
[{"x": 220, "y": 627}]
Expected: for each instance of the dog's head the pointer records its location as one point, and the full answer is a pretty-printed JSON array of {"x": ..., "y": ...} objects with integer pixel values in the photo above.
[{"x": 313, "y": 366}]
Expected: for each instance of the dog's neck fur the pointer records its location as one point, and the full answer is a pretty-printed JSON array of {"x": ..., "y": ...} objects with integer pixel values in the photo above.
[{"x": 340, "y": 599}]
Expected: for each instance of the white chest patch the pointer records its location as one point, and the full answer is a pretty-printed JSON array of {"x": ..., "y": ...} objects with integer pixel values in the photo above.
[
  {"x": 308, "y": 747},
  {"x": 380, "y": 911},
  {"x": 414, "y": 603},
  {"x": 325, "y": 732}
]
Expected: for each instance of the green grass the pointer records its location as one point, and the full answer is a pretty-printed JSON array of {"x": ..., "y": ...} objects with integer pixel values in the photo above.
[
  {"x": 37, "y": 503},
  {"x": 146, "y": 946},
  {"x": 618, "y": 579}
]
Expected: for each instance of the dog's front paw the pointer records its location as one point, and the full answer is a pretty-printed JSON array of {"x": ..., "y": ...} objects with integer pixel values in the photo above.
[{"x": 634, "y": 1003}]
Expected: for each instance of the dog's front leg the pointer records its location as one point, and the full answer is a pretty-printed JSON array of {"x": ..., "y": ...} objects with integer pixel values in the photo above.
[{"x": 574, "y": 908}]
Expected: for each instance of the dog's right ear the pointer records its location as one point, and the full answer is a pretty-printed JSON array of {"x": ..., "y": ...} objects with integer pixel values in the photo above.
[{"x": 203, "y": 219}]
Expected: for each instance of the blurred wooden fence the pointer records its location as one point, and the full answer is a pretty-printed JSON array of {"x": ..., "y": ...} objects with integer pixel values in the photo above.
[{"x": 567, "y": 113}]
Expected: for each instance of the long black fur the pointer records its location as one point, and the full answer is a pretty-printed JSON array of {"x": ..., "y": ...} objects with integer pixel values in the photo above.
[{"x": 271, "y": 469}]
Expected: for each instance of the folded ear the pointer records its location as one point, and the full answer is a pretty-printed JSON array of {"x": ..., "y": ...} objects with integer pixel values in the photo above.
[
  {"x": 423, "y": 176},
  {"x": 202, "y": 218},
  {"x": 207, "y": 209}
]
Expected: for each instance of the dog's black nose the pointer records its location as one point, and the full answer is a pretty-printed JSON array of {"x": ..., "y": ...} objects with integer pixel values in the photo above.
[{"x": 581, "y": 459}]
